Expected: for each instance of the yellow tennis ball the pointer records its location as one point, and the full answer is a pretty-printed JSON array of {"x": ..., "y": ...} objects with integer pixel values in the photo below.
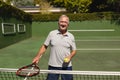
[{"x": 66, "y": 60}]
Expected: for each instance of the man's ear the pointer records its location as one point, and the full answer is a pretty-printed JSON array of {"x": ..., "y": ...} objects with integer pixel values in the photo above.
[
  {"x": 68, "y": 24},
  {"x": 58, "y": 22}
]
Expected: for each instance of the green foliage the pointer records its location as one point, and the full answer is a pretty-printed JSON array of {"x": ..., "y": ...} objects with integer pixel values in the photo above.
[
  {"x": 45, "y": 7},
  {"x": 116, "y": 19},
  {"x": 79, "y": 6},
  {"x": 114, "y": 4},
  {"x": 45, "y": 17},
  {"x": 7, "y": 1},
  {"x": 74, "y": 17}
]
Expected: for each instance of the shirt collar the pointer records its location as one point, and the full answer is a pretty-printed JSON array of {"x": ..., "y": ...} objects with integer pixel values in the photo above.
[{"x": 66, "y": 34}]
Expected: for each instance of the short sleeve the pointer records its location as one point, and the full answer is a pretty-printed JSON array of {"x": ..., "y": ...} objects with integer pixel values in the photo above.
[
  {"x": 73, "y": 44},
  {"x": 47, "y": 41}
]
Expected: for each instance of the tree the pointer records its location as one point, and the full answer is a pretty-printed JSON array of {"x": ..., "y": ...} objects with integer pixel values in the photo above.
[
  {"x": 7, "y": 1},
  {"x": 114, "y": 4},
  {"x": 99, "y": 5},
  {"x": 44, "y": 6},
  {"x": 79, "y": 6},
  {"x": 36, "y": 2}
]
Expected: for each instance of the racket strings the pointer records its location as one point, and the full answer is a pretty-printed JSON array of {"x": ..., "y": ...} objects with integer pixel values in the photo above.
[
  {"x": 28, "y": 71},
  {"x": 25, "y": 71}
]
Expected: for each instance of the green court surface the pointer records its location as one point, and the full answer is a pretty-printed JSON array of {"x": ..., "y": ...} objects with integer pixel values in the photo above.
[{"x": 98, "y": 46}]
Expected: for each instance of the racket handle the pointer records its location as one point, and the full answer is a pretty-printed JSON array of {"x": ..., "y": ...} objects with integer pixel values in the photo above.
[{"x": 25, "y": 78}]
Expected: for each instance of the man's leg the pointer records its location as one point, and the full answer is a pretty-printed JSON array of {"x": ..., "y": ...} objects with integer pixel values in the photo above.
[
  {"x": 51, "y": 76},
  {"x": 67, "y": 76}
]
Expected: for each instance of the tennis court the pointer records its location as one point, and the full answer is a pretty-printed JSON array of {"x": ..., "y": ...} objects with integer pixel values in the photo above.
[{"x": 98, "y": 47}]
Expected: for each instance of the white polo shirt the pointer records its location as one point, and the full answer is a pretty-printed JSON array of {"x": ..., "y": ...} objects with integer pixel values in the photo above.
[{"x": 61, "y": 46}]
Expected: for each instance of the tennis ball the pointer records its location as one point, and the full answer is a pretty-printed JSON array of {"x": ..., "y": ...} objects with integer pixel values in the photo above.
[{"x": 66, "y": 60}]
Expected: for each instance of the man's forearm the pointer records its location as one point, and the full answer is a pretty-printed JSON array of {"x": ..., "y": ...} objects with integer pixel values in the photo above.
[{"x": 42, "y": 50}]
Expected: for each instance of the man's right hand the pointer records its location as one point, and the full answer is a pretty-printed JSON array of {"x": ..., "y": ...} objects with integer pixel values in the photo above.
[{"x": 36, "y": 60}]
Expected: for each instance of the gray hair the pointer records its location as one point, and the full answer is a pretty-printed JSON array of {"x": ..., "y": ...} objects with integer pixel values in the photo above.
[{"x": 64, "y": 16}]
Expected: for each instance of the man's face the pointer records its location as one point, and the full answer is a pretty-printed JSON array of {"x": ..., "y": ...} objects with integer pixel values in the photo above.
[{"x": 63, "y": 23}]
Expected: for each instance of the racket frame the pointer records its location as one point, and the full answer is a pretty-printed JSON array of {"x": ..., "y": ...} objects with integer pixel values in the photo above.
[{"x": 33, "y": 65}]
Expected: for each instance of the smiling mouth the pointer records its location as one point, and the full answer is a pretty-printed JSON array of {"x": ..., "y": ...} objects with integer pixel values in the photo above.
[{"x": 62, "y": 26}]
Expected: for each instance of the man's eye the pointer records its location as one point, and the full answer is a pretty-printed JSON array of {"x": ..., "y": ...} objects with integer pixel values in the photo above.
[{"x": 63, "y": 21}]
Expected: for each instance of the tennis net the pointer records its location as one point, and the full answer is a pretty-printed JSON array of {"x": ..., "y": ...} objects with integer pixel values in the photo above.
[{"x": 10, "y": 74}]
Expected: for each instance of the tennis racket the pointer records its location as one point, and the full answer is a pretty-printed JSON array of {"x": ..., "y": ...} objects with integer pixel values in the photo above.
[{"x": 28, "y": 71}]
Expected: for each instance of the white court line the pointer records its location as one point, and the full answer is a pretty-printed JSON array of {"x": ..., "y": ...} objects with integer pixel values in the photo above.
[
  {"x": 100, "y": 49},
  {"x": 103, "y": 37},
  {"x": 97, "y": 40},
  {"x": 93, "y": 30}
]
